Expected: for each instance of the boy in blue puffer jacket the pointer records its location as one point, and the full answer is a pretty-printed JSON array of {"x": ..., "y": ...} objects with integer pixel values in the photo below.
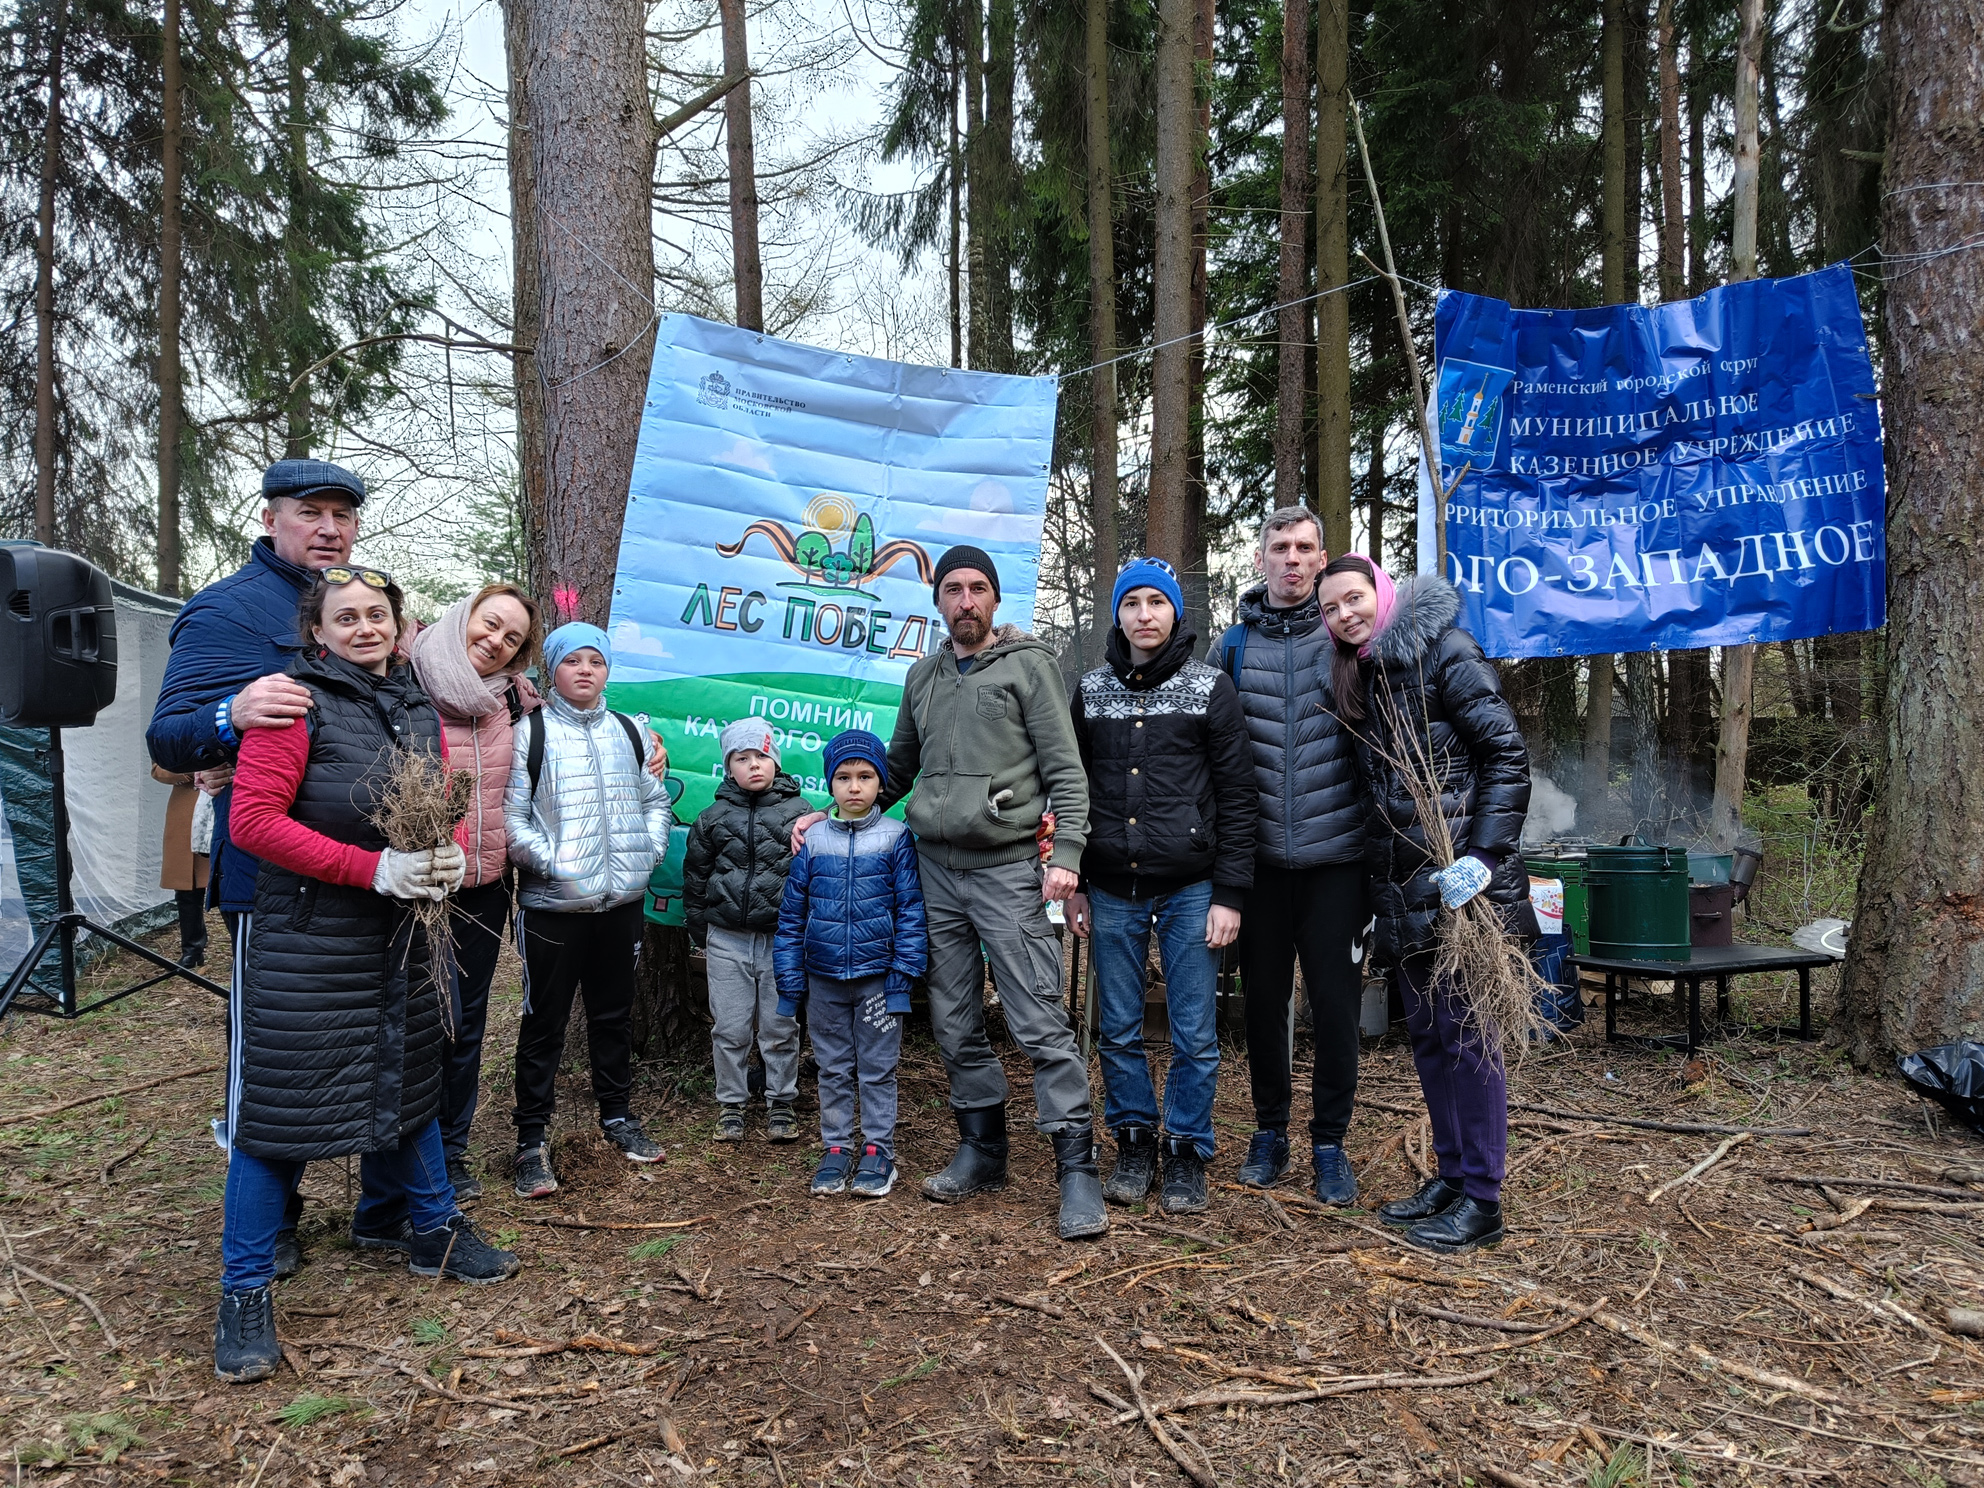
[{"x": 850, "y": 941}]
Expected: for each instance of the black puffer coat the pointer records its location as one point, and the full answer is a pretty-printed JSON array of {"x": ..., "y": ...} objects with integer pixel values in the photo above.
[
  {"x": 735, "y": 862},
  {"x": 340, "y": 1026},
  {"x": 1305, "y": 766},
  {"x": 1171, "y": 797},
  {"x": 1433, "y": 695}
]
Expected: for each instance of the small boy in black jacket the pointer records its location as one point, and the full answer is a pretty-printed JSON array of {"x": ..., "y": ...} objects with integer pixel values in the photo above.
[
  {"x": 733, "y": 878},
  {"x": 1172, "y": 804}
]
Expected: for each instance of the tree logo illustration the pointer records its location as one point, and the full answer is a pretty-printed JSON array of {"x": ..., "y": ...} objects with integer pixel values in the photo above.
[{"x": 835, "y": 551}]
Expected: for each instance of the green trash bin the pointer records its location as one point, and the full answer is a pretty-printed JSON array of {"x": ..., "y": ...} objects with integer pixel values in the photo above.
[
  {"x": 1639, "y": 903},
  {"x": 1577, "y": 900}
]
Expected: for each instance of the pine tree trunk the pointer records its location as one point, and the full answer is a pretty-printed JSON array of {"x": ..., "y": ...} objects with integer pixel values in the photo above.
[
  {"x": 296, "y": 245},
  {"x": 1915, "y": 965},
  {"x": 978, "y": 189},
  {"x": 44, "y": 287},
  {"x": 169, "y": 404},
  {"x": 1102, "y": 323},
  {"x": 1171, "y": 285},
  {"x": 1612, "y": 289},
  {"x": 747, "y": 267},
  {"x": 1195, "y": 572},
  {"x": 592, "y": 168},
  {"x": 1333, "y": 422},
  {"x": 1292, "y": 285},
  {"x": 1001, "y": 43},
  {"x": 1739, "y": 663},
  {"x": 1697, "y": 173},
  {"x": 1594, "y": 801},
  {"x": 526, "y": 308},
  {"x": 1634, "y": 120},
  {"x": 1673, "y": 226},
  {"x": 953, "y": 264}
]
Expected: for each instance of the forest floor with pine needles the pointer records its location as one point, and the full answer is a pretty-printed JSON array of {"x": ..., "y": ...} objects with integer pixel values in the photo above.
[{"x": 1750, "y": 1324}]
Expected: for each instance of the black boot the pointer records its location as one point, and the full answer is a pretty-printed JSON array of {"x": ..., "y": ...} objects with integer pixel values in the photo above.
[
  {"x": 980, "y": 1164},
  {"x": 1469, "y": 1225},
  {"x": 245, "y": 1346},
  {"x": 1435, "y": 1196},
  {"x": 1184, "y": 1179},
  {"x": 1136, "y": 1165},
  {"x": 289, "y": 1255},
  {"x": 1083, "y": 1214}
]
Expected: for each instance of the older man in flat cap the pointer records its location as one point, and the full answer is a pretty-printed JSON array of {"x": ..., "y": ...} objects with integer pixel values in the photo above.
[{"x": 230, "y": 645}]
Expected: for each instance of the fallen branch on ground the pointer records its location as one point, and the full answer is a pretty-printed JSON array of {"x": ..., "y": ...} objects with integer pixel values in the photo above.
[
  {"x": 103, "y": 1173},
  {"x": 1203, "y": 1476},
  {"x": 1577, "y": 1320},
  {"x": 1685, "y": 1128},
  {"x": 1030, "y": 1305},
  {"x": 22, "y": 1268},
  {"x": 1353, "y": 1385},
  {"x": 1833, "y": 1221},
  {"x": 1722, "y": 1150},
  {"x": 83, "y": 1100},
  {"x": 1506, "y": 1478},
  {"x": 1627, "y": 1328},
  {"x": 563, "y": 1222},
  {"x": 1892, "y": 1184},
  {"x": 523, "y": 1346},
  {"x": 1500, "y": 1325},
  {"x": 594, "y": 1443},
  {"x": 792, "y": 1327}
]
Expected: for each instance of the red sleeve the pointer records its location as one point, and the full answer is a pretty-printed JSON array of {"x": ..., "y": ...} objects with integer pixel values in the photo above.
[{"x": 266, "y": 780}]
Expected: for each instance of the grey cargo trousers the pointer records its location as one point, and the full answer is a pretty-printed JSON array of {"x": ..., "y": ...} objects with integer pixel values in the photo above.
[{"x": 1001, "y": 907}]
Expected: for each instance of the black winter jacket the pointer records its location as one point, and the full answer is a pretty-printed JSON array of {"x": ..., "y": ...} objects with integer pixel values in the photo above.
[
  {"x": 739, "y": 850},
  {"x": 1432, "y": 695},
  {"x": 1305, "y": 766},
  {"x": 339, "y": 1022},
  {"x": 1171, "y": 797}
]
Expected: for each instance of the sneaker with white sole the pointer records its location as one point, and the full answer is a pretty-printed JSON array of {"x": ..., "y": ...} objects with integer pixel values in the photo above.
[
  {"x": 635, "y": 1145},
  {"x": 534, "y": 1177},
  {"x": 874, "y": 1176},
  {"x": 730, "y": 1123},
  {"x": 831, "y": 1176}
]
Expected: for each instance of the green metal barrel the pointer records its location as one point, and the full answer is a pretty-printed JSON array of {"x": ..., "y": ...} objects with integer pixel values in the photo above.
[{"x": 1639, "y": 903}]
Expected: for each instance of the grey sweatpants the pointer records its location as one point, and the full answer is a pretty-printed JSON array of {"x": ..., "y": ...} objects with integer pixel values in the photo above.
[
  {"x": 857, "y": 1040},
  {"x": 744, "y": 1000},
  {"x": 1002, "y": 908}
]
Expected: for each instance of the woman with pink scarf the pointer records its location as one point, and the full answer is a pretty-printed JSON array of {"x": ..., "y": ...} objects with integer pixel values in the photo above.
[
  {"x": 1414, "y": 688},
  {"x": 471, "y": 663}
]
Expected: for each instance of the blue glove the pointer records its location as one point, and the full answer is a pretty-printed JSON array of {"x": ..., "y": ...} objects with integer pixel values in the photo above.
[{"x": 1460, "y": 883}]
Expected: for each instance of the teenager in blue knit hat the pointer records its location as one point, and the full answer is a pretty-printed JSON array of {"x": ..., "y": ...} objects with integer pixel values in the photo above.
[
  {"x": 851, "y": 939},
  {"x": 1171, "y": 846}
]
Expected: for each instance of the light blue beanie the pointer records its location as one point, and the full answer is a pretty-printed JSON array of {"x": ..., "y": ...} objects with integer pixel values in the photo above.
[{"x": 566, "y": 639}]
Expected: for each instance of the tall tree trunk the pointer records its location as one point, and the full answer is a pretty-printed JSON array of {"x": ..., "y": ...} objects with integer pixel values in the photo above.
[
  {"x": 1333, "y": 425},
  {"x": 526, "y": 308},
  {"x": 1195, "y": 574},
  {"x": 592, "y": 171},
  {"x": 1697, "y": 173},
  {"x": 952, "y": 267},
  {"x": 1171, "y": 285},
  {"x": 1001, "y": 43},
  {"x": 1374, "y": 491},
  {"x": 1612, "y": 289},
  {"x": 1102, "y": 321},
  {"x": 748, "y": 267},
  {"x": 1915, "y": 961},
  {"x": 44, "y": 286},
  {"x": 169, "y": 400},
  {"x": 1739, "y": 663},
  {"x": 979, "y": 209},
  {"x": 1643, "y": 712},
  {"x": 1673, "y": 223},
  {"x": 296, "y": 244},
  {"x": 1292, "y": 285},
  {"x": 1594, "y": 801},
  {"x": 1635, "y": 63}
]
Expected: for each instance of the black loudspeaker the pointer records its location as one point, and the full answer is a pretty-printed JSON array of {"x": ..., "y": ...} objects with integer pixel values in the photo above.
[{"x": 58, "y": 638}]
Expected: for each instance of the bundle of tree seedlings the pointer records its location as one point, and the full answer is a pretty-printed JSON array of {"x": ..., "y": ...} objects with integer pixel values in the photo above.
[{"x": 422, "y": 804}]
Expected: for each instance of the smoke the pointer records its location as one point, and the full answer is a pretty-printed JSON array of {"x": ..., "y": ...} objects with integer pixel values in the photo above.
[{"x": 1552, "y": 812}]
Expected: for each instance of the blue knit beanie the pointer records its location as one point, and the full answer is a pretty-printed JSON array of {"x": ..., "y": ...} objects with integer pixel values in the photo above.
[
  {"x": 856, "y": 744},
  {"x": 1148, "y": 573},
  {"x": 566, "y": 639}
]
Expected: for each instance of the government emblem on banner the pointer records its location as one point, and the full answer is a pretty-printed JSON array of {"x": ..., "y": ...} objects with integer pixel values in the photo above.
[{"x": 1471, "y": 403}]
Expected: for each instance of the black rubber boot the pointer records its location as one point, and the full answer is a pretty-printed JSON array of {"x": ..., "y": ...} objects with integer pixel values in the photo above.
[
  {"x": 245, "y": 1346},
  {"x": 1469, "y": 1225},
  {"x": 1136, "y": 1165},
  {"x": 1083, "y": 1214},
  {"x": 980, "y": 1164},
  {"x": 1435, "y": 1196},
  {"x": 1184, "y": 1179}
]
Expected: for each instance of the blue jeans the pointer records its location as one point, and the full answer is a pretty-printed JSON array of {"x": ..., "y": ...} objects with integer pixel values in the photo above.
[
  {"x": 1121, "y": 939},
  {"x": 412, "y": 1178}
]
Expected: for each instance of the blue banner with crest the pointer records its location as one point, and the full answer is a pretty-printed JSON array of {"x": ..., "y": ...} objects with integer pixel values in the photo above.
[{"x": 1636, "y": 478}]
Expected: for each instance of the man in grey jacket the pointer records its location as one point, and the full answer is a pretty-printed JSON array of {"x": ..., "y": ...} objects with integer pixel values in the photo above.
[
  {"x": 985, "y": 737},
  {"x": 1308, "y": 898}
]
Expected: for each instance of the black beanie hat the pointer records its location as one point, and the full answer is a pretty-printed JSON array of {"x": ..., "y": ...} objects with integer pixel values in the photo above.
[{"x": 964, "y": 555}]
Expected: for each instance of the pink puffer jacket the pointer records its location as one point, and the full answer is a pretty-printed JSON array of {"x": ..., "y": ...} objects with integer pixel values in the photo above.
[{"x": 482, "y": 745}]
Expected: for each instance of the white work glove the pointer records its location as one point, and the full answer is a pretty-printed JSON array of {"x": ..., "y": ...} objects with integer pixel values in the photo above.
[
  {"x": 1460, "y": 883},
  {"x": 407, "y": 875},
  {"x": 450, "y": 866}
]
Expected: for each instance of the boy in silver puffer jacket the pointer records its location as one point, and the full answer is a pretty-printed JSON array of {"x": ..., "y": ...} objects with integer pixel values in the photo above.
[{"x": 587, "y": 823}]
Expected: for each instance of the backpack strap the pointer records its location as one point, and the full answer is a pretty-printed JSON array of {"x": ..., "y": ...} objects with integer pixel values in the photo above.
[
  {"x": 1233, "y": 651},
  {"x": 514, "y": 700},
  {"x": 534, "y": 747},
  {"x": 633, "y": 733}
]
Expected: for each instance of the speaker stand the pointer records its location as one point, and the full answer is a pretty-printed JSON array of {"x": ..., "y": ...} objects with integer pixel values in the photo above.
[{"x": 69, "y": 923}]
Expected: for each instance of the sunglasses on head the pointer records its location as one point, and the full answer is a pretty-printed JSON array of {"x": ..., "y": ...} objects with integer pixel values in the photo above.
[{"x": 371, "y": 577}]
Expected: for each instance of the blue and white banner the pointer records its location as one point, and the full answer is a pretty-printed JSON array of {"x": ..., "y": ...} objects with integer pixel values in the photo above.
[
  {"x": 1637, "y": 478},
  {"x": 787, "y": 510}
]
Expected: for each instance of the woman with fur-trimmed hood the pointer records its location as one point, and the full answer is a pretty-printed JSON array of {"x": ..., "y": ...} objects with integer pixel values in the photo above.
[{"x": 1414, "y": 686}]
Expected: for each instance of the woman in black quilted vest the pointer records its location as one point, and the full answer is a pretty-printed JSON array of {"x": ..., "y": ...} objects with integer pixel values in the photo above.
[{"x": 335, "y": 1028}]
